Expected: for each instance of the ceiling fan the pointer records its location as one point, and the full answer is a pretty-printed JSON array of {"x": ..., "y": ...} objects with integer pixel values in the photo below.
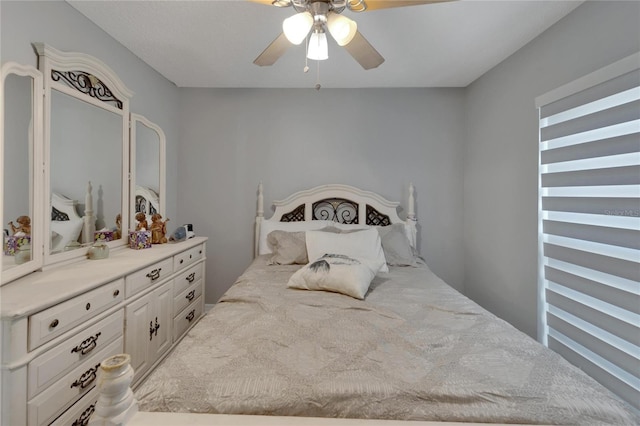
[{"x": 317, "y": 16}]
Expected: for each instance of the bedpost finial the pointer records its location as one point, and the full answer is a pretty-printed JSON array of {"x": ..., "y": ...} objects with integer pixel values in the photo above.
[
  {"x": 260, "y": 201},
  {"x": 411, "y": 213}
]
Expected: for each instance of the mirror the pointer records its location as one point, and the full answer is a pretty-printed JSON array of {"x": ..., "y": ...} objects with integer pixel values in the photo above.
[
  {"x": 21, "y": 143},
  {"x": 86, "y": 142},
  {"x": 85, "y": 171},
  {"x": 148, "y": 148}
]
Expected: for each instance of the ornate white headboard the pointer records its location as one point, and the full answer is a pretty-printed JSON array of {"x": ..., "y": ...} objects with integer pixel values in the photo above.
[
  {"x": 338, "y": 203},
  {"x": 147, "y": 201}
]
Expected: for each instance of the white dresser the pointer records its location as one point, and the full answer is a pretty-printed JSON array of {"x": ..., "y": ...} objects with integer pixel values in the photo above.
[{"x": 59, "y": 324}]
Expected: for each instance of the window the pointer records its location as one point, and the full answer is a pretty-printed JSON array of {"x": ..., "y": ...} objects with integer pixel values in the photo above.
[{"x": 589, "y": 227}]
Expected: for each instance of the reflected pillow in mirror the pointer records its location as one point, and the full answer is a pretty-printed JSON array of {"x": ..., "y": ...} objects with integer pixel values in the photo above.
[{"x": 63, "y": 232}]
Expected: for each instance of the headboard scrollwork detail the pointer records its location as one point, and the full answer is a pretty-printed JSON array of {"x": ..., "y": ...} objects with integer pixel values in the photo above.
[
  {"x": 375, "y": 218},
  {"x": 296, "y": 215},
  {"x": 338, "y": 210}
]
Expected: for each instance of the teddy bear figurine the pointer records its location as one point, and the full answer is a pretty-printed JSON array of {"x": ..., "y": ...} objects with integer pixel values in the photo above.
[
  {"x": 158, "y": 229},
  {"x": 142, "y": 222},
  {"x": 24, "y": 225},
  {"x": 117, "y": 233}
]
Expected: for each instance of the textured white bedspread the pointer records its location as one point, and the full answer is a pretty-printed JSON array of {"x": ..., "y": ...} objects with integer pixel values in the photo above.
[{"x": 414, "y": 349}]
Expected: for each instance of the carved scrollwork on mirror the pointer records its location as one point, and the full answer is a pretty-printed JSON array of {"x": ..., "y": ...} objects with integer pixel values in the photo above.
[
  {"x": 86, "y": 139},
  {"x": 21, "y": 159}
]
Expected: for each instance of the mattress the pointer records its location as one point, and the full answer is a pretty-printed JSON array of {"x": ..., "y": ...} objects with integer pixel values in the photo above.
[{"x": 413, "y": 349}]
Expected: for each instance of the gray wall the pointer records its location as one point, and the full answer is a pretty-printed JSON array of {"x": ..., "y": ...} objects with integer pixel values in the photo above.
[
  {"x": 61, "y": 26},
  {"x": 294, "y": 139},
  {"x": 501, "y": 155},
  {"x": 473, "y": 149}
]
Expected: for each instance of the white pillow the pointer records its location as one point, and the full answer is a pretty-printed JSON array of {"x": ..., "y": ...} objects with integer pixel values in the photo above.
[
  {"x": 360, "y": 245},
  {"x": 271, "y": 225},
  {"x": 336, "y": 273},
  {"x": 63, "y": 232}
]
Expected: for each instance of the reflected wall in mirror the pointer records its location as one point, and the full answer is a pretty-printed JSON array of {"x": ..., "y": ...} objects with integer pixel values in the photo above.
[
  {"x": 148, "y": 155},
  {"x": 86, "y": 140},
  {"x": 84, "y": 148},
  {"x": 21, "y": 152}
]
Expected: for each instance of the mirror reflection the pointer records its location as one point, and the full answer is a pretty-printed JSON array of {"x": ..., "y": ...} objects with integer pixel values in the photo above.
[
  {"x": 18, "y": 170},
  {"x": 86, "y": 172},
  {"x": 147, "y": 142}
]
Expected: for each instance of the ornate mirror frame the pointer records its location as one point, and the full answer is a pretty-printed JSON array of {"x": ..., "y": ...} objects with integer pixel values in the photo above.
[
  {"x": 35, "y": 139},
  {"x": 89, "y": 80},
  {"x": 136, "y": 191}
]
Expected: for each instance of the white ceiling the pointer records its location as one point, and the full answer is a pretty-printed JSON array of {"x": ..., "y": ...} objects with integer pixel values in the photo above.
[{"x": 213, "y": 43}]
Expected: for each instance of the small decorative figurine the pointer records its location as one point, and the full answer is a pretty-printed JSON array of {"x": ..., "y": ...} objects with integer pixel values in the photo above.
[
  {"x": 24, "y": 225},
  {"x": 117, "y": 233},
  {"x": 158, "y": 229},
  {"x": 142, "y": 222}
]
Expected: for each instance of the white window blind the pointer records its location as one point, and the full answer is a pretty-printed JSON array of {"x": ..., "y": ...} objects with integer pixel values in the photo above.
[{"x": 589, "y": 225}]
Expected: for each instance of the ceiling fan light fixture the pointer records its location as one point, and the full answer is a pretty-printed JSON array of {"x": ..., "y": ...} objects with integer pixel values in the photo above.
[
  {"x": 318, "y": 47},
  {"x": 342, "y": 29},
  {"x": 281, "y": 3},
  {"x": 296, "y": 27}
]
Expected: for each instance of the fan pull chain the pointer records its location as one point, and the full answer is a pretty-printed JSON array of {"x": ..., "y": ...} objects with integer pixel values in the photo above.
[
  {"x": 318, "y": 86},
  {"x": 306, "y": 61}
]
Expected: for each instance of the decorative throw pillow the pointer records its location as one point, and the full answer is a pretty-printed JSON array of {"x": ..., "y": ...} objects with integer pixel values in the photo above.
[
  {"x": 336, "y": 273},
  {"x": 363, "y": 244},
  {"x": 396, "y": 246},
  {"x": 268, "y": 226},
  {"x": 288, "y": 248}
]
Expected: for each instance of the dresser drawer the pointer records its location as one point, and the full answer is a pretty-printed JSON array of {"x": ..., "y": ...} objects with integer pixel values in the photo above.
[
  {"x": 186, "y": 317},
  {"x": 187, "y": 278},
  {"x": 55, "y": 363},
  {"x": 55, "y": 399},
  {"x": 186, "y": 258},
  {"x": 188, "y": 296},
  {"x": 80, "y": 412},
  {"x": 54, "y": 321},
  {"x": 148, "y": 276}
]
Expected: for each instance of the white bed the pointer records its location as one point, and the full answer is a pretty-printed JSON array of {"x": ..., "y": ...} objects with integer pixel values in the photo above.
[{"x": 412, "y": 349}]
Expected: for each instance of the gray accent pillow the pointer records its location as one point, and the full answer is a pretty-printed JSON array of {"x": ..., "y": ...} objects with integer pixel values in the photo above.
[
  {"x": 290, "y": 248},
  {"x": 396, "y": 246}
]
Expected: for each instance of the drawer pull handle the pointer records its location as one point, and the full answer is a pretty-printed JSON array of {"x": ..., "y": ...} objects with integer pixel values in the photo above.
[
  {"x": 190, "y": 256},
  {"x": 87, "y": 378},
  {"x": 87, "y": 345},
  {"x": 153, "y": 330},
  {"x": 88, "y": 306},
  {"x": 191, "y": 295},
  {"x": 155, "y": 274},
  {"x": 83, "y": 420},
  {"x": 116, "y": 293},
  {"x": 191, "y": 315},
  {"x": 54, "y": 323},
  {"x": 181, "y": 261},
  {"x": 200, "y": 252},
  {"x": 191, "y": 277}
]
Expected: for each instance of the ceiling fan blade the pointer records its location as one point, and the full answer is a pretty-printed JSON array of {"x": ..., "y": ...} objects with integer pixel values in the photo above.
[
  {"x": 273, "y": 52},
  {"x": 369, "y": 5},
  {"x": 363, "y": 52}
]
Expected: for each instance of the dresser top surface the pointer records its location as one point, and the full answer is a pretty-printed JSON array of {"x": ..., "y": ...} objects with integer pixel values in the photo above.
[{"x": 43, "y": 289}]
